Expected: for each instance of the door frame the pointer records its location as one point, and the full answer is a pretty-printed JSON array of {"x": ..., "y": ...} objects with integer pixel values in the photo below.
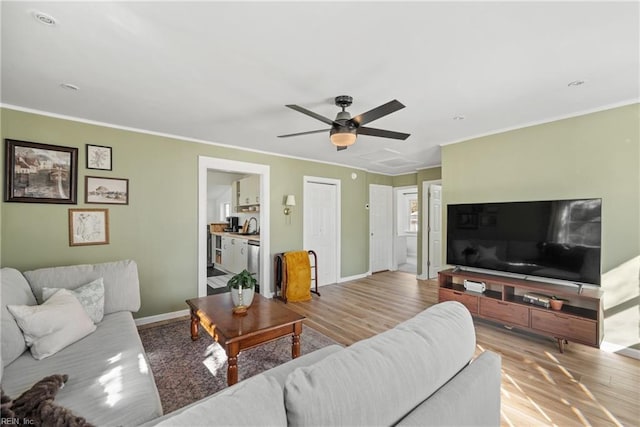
[
  {"x": 234, "y": 166},
  {"x": 338, "y": 213},
  {"x": 424, "y": 224}
]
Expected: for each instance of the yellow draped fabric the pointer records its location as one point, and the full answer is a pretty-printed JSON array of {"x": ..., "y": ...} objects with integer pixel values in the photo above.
[{"x": 298, "y": 271}]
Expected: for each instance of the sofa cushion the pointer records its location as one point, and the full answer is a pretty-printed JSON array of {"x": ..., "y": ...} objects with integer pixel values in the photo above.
[
  {"x": 110, "y": 382},
  {"x": 121, "y": 285},
  {"x": 91, "y": 296},
  {"x": 256, "y": 401},
  {"x": 378, "y": 380},
  {"x": 59, "y": 321},
  {"x": 15, "y": 291},
  {"x": 475, "y": 390}
]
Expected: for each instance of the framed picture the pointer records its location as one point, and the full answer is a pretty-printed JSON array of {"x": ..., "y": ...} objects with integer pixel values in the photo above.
[
  {"x": 88, "y": 227},
  {"x": 113, "y": 191},
  {"x": 98, "y": 157},
  {"x": 40, "y": 173}
]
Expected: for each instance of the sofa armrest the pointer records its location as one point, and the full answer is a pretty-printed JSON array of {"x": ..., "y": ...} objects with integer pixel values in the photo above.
[{"x": 121, "y": 283}]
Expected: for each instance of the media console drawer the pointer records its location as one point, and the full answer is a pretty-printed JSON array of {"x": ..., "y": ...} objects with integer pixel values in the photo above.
[
  {"x": 565, "y": 326},
  {"x": 469, "y": 301},
  {"x": 511, "y": 314}
]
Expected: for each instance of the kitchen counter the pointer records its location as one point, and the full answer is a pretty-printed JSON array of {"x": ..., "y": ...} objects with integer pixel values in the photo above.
[{"x": 255, "y": 237}]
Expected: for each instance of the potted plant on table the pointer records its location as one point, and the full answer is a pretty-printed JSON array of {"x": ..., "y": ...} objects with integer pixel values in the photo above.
[{"x": 242, "y": 287}]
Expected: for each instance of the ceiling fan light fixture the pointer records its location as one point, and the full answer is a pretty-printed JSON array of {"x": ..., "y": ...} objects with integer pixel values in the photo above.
[{"x": 343, "y": 138}]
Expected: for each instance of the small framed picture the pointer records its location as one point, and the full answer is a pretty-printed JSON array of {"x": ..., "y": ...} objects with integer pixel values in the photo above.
[
  {"x": 98, "y": 157},
  {"x": 40, "y": 173},
  {"x": 113, "y": 191},
  {"x": 88, "y": 227}
]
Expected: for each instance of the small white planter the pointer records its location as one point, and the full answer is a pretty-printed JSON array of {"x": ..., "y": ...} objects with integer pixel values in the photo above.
[{"x": 241, "y": 299}]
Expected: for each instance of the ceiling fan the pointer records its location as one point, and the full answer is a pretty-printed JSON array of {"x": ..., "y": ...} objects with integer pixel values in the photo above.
[{"x": 345, "y": 129}]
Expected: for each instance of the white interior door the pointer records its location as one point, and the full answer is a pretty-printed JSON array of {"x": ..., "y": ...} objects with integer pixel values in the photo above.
[
  {"x": 380, "y": 227},
  {"x": 435, "y": 229},
  {"x": 322, "y": 226}
]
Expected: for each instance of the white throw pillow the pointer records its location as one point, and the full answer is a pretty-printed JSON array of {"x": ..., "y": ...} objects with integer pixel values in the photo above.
[
  {"x": 50, "y": 327},
  {"x": 91, "y": 296}
]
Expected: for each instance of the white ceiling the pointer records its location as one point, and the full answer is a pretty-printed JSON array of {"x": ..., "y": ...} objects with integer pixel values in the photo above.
[{"x": 222, "y": 71}]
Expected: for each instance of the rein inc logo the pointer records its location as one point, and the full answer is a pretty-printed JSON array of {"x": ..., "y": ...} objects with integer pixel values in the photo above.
[{"x": 14, "y": 421}]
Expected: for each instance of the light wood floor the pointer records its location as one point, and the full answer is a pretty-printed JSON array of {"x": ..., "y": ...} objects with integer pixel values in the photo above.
[{"x": 540, "y": 386}]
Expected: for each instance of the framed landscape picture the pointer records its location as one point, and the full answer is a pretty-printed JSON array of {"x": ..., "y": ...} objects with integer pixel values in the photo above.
[
  {"x": 113, "y": 191},
  {"x": 88, "y": 227},
  {"x": 40, "y": 173},
  {"x": 99, "y": 157}
]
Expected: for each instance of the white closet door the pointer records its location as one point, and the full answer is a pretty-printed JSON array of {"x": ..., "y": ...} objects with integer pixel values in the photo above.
[
  {"x": 380, "y": 227},
  {"x": 321, "y": 227}
]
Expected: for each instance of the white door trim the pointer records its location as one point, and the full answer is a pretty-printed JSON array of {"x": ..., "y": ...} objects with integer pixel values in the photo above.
[
  {"x": 424, "y": 223},
  {"x": 206, "y": 163},
  {"x": 330, "y": 181}
]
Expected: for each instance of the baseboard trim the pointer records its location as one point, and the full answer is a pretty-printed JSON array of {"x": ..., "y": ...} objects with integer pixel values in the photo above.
[
  {"x": 161, "y": 317},
  {"x": 619, "y": 349},
  {"x": 350, "y": 278}
]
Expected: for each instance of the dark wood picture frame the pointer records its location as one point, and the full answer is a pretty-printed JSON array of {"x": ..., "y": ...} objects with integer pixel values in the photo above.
[
  {"x": 106, "y": 190},
  {"x": 99, "y": 157},
  {"x": 88, "y": 227},
  {"x": 40, "y": 173}
]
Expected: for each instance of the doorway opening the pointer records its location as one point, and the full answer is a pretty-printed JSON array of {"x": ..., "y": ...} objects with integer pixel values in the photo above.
[
  {"x": 222, "y": 218},
  {"x": 206, "y": 210},
  {"x": 407, "y": 226}
]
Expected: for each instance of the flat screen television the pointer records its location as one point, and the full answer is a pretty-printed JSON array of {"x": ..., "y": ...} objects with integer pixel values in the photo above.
[{"x": 558, "y": 239}]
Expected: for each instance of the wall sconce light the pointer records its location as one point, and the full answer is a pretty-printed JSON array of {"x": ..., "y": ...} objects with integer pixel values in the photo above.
[{"x": 289, "y": 201}]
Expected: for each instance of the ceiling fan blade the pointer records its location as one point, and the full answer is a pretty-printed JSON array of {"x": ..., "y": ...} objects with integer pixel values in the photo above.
[
  {"x": 382, "y": 133},
  {"x": 341, "y": 148},
  {"x": 311, "y": 114},
  {"x": 376, "y": 113},
  {"x": 303, "y": 133}
]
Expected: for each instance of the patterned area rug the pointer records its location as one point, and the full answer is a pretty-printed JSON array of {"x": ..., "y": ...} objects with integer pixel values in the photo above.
[{"x": 186, "y": 371}]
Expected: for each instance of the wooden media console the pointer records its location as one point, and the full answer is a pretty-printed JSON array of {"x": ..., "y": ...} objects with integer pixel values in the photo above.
[{"x": 580, "y": 319}]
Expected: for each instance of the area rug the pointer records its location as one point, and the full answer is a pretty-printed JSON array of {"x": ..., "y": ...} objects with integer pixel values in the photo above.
[
  {"x": 219, "y": 281},
  {"x": 186, "y": 371}
]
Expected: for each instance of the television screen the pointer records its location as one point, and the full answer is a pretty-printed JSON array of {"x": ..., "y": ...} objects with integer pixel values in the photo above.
[{"x": 549, "y": 239}]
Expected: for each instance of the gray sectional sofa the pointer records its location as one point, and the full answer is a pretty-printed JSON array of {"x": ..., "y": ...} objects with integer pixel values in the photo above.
[
  {"x": 420, "y": 373},
  {"x": 110, "y": 382}
]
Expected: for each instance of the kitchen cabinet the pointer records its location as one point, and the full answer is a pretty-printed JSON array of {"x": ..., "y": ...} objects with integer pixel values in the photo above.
[
  {"x": 240, "y": 256},
  {"x": 234, "y": 254},
  {"x": 226, "y": 253},
  {"x": 216, "y": 249},
  {"x": 249, "y": 191}
]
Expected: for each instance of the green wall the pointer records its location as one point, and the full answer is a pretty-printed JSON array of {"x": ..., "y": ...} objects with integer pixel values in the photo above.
[
  {"x": 595, "y": 155},
  {"x": 159, "y": 226}
]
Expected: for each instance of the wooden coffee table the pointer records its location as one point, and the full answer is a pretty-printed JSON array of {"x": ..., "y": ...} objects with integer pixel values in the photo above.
[{"x": 266, "y": 320}]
